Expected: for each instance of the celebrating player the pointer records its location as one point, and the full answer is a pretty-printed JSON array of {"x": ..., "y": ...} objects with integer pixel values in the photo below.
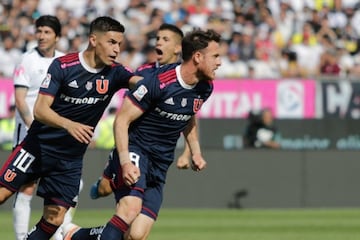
[
  {"x": 168, "y": 50},
  {"x": 147, "y": 127},
  {"x": 72, "y": 98}
]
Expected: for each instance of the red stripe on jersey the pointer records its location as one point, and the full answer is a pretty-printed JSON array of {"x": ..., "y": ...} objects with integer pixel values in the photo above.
[
  {"x": 167, "y": 77},
  {"x": 69, "y": 57},
  {"x": 69, "y": 60},
  {"x": 146, "y": 66}
]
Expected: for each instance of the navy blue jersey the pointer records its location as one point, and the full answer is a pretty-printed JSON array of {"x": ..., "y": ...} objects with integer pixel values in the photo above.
[
  {"x": 149, "y": 68},
  {"x": 81, "y": 94},
  {"x": 168, "y": 104}
]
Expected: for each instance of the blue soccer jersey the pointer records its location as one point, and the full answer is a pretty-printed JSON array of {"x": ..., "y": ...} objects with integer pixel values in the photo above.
[
  {"x": 81, "y": 94},
  {"x": 168, "y": 103}
]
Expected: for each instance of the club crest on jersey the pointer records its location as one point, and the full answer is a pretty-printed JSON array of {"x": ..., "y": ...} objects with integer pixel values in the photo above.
[
  {"x": 89, "y": 86},
  {"x": 102, "y": 85},
  {"x": 46, "y": 82},
  {"x": 183, "y": 102},
  {"x": 140, "y": 92},
  {"x": 197, "y": 104},
  {"x": 9, "y": 175}
]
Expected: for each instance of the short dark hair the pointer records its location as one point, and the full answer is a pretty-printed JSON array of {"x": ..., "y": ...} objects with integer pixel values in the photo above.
[
  {"x": 172, "y": 28},
  {"x": 49, "y": 21},
  {"x": 106, "y": 24},
  {"x": 196, "y": 40}
]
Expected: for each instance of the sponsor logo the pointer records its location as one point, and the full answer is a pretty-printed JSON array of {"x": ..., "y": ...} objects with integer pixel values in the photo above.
[
  {"x": 85, "y": 100},
  {"x": 73, "y": 84},
  {"x": 170, "y": 101},
  {"x": 173, "y": 116},
  {"x": 290, "y": 95}
]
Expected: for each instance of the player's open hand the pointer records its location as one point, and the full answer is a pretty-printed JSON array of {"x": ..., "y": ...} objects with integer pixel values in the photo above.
[
  {"x": 81, "y": 132},
  {"x": 198, "y": 162},
  {"x": 130, "y": 173}
]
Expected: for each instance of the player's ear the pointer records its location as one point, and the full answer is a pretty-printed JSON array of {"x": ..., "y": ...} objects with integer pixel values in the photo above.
[
  {"x": 177, "y": 49},
  {"x": 197, "y": 57},
  {"x": 92, "y": 39}
]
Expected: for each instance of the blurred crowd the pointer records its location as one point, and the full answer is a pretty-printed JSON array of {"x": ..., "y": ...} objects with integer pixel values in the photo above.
[{"x": 261, "y": 38}]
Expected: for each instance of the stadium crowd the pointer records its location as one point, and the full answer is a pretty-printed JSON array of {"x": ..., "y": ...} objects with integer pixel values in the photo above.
[{"x": 261, "y": 38}]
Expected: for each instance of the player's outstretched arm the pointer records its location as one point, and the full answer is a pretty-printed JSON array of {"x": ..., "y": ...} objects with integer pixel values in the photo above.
[{"x": 43, "y": 113}]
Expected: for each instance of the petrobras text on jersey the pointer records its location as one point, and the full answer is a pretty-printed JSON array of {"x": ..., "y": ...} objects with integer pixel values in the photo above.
[
  {"x": 173, "y": 116},
  {"x": 85, "y": 100}
]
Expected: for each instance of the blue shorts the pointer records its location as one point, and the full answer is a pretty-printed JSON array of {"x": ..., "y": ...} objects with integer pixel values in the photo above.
[
  {"x": 150, "y": 185},
  {"x": 58, "y": 176}
]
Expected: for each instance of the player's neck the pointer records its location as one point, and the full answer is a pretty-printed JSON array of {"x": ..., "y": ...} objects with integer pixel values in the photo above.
[
  {"x": 90, "y": 59},
  {"x": 47, "y": 53},
  {"x": 188, "y": 73}
]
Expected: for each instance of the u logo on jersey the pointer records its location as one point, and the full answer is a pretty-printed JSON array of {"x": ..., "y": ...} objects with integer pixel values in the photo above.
[
  {"x": 197, "y": 104},
  {"x": 102, "y": 85},
  {"x": 9, "y": 175}
]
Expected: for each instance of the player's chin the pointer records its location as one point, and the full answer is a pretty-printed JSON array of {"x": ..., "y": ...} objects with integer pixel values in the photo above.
[
  {"x": 110, "y": 61},
  {"x": 42, "y": 46}
]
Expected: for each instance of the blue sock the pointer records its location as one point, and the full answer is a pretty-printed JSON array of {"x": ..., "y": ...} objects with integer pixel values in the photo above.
[
  {"x": 114, "y": 229},
  {"x": 87, "y": 233},
  {"x": 42, "y": 231}
]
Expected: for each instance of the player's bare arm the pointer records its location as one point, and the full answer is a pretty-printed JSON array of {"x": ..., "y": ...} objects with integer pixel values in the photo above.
[
  {"x": 183, "y": 161},
  {"x": 127, "y": 114},
  {"x": 43, "y": 113},
  {"x": 191, "y": 135},
  {"x": 22, "y": 106}
]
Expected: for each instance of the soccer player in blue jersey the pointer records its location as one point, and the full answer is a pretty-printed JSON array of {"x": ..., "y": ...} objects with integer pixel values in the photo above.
[
  {"x": 72, "y": 98},
  {"x": 147, "y": 127},
  {"x": 168, "y": 50}
]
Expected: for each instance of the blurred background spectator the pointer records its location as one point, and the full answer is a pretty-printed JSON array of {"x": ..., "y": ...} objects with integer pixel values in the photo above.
[
  {"x": 259, "y": 33},
  {"x": 261, "y": 131},
  {"x": 261, "y": 39}
]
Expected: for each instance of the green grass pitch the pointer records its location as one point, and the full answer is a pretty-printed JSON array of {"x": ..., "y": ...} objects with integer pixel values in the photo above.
[{"x": 226, "y": 224}]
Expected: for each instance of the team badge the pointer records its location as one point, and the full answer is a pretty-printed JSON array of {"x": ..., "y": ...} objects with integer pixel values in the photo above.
[
  {"x": 89, "y": 86},
  {"x": 197, "y": 104},
  {"x": 46, "y": 82},
  {"x": 184, "y": 102},
  {"x": 9, "y": 175},
  {"x": 140, "y": 92},
  {"x": 102, "y": 85}
]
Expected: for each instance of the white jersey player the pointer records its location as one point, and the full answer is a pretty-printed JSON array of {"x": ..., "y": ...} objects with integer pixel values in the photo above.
[{"x": 27, "y": 79}]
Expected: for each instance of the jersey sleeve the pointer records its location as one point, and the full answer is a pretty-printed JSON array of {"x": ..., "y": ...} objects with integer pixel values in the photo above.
[
  {"x": 124, "y": 73},
  {"x": 52, "y": 82},
  {"x": 21, "y": 76},
  {"x": 146, "y": 92}
]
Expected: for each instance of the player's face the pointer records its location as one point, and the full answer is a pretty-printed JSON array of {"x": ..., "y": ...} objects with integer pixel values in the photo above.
[
  {"x": 168, "y": 47},
  {"x": 208, "y": 61},
  {"x": 46, "y": 40},
  {"x": 107, "y": 47}
]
